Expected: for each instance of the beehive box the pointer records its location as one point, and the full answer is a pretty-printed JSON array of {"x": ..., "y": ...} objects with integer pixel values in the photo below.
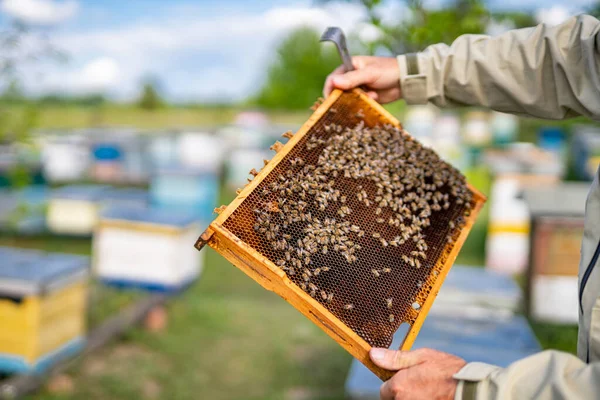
[
  {"x": 65, "y": 159},
  {"x": 494, "y": 339},
  {"x": 42, "y": 308},
  {"x": 557, "y": 222},
  {"x": 74, "y": 209},
  {"x": 179, "y": 188},
  {"x": 356, "y": 227},
  {"x": 146, "y": 248}
]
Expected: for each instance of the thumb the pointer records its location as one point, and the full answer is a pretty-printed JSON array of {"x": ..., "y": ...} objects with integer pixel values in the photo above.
[
  {"x": 352, "y": 79},
  {"x": 395, "y": 360}
]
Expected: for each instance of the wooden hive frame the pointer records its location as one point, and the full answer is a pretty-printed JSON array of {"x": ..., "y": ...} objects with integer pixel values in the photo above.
[{"x": 272, "y": 278}]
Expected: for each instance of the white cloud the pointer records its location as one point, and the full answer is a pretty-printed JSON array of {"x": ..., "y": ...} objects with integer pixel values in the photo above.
[
  {"x": 96, "y": 76},
  {"x": 40, "y": 12},
  {"x": 224, "y": 55},
  {"x": 553, "y": 15}
]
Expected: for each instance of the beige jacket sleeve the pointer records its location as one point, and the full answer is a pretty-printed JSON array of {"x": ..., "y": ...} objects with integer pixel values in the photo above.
[
  {"x": 548, "y": 375},
  {"x": 545, "y": 72}
]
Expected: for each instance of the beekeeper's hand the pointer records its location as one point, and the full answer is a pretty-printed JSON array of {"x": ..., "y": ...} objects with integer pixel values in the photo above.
[
  {"x": 422, "y": 373},
  {"x": 380, "y": 76}
]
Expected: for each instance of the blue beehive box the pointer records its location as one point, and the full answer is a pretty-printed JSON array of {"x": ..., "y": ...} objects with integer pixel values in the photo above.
[
  {"x": 473, "y": 286},
  {"x": 493, "y": 339},
  {"x": 147, "y": 248},
  {"x": 185, "y": 189},
  {"x": 42, "y": 308},
  {"x": 473, "y": 318},
  {"x": 125, "y": 197}
]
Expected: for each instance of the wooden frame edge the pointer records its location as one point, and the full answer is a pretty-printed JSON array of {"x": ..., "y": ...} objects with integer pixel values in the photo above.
[
  {"x": 449, "y": 262},
  {"x": 289, "y": 145},
  {"x": 272, "y": 278}
]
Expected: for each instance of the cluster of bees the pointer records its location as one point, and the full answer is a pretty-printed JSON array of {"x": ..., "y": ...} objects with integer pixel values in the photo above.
[{"x": 304, "y": 215}]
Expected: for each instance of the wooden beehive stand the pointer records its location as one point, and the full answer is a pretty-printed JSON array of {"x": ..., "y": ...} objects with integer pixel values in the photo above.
[{"x": 272, "y": 278}]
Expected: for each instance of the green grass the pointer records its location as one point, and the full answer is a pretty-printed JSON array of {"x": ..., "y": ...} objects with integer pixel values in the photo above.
[
  {"x": 227, "y": 338},
  {"x": 67, "y": 117}
]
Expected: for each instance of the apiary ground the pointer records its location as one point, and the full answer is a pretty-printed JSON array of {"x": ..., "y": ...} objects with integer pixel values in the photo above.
[{"x": 215, "y": 344}]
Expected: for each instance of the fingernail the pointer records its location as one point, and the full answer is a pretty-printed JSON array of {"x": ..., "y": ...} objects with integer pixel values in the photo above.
[{"x": 377, "y": 354}]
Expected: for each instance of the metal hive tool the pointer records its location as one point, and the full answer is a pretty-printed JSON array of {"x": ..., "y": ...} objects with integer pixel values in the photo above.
[{"x": 359, "y": 297}]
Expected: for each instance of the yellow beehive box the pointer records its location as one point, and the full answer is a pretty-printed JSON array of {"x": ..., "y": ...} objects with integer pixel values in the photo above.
[{"x": 42, "y": 308}]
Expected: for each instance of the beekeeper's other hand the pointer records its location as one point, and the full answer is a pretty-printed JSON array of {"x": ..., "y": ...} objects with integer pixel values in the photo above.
[{"x": 422, "y": 373}]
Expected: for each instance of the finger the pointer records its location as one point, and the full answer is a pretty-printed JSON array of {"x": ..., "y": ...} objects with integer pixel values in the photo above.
[
  {"x": 388, "y": 95},
  {"x": 395, "y": 360},
  {"x": 373, "y": 95},
  {"x": 328, "y": 87},
  {"x": 386, "y": 392},
  {"x": 353, "y": 79}
]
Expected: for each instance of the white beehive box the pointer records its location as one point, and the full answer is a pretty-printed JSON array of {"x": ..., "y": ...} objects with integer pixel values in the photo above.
[
  {"x": 200, "y": 151},
  {"x": 65, "y": 159},
  {"x": 147, "y": 248},
  {"x": 73, "y": 210}
]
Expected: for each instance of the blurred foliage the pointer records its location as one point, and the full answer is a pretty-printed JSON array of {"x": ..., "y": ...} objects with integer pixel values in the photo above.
[
  {"x": 594, "y": 10},
  {"x": 419, "y": 26},
  {"x": 295, "y": 79},
  {"x": 150, "y": 98}
]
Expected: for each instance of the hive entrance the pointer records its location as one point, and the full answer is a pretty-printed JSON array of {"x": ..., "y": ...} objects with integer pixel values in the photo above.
[{"x": 359, "y": 216}]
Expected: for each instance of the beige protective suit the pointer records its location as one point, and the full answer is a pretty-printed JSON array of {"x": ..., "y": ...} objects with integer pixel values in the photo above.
[{"x": 546, "y": 72}]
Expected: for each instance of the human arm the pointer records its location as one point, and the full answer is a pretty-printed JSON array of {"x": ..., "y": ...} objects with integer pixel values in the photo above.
[{"x": 545, "y": 72}]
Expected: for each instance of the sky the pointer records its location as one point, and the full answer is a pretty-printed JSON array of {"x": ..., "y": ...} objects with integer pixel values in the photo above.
[{"x": 198, "y": 50}]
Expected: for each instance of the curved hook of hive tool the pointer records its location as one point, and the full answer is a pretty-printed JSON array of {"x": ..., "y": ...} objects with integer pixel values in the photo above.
[{"x": 336, "y": 35}]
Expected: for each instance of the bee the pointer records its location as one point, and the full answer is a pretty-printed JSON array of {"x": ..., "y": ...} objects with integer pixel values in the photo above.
[
  {"x": 389, "y": 302},
  {"x": 316, "y": 271},
  {"x": 280, "y": 263},
  {"x": 405, "y": 258},
  {"x": 329, "y": 297},
  {"x": 305, "y": 277},
  {"x": 380, "y": 220},
  {"x": 375, "y": 273},
  {"x": 376, "y": 235},
  {"x": 324, "y": 250},
  {"x": 323, "y": 295},
  {"x": 451, "y": 225},
  {"x": 384, "y": 242},
  {"x": 417, "y": 263},
  {"x": 307, "y": 260},
  {"x": 291, "y": 271},
  {"x": 325, "y": 269},
  {"x": 312, "y": 287},
  {"x": 349, "y": 307},
  {"x": 303, "y": 286},
  {"x": 377, "y": 211},
  {"x": 391, "y": 318}
]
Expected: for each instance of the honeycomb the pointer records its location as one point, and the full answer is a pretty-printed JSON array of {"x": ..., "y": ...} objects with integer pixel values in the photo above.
[{"x": 360, "y": 216}]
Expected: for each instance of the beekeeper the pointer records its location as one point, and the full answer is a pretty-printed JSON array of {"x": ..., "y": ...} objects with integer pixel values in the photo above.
[{"x": 544, "y": 72}]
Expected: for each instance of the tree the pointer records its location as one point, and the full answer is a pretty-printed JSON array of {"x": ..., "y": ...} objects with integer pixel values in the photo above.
[
  {"x": 424, "y": 26},
  {"x": 150, "y": 98},
  {"x": 295, "y": 79}
]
